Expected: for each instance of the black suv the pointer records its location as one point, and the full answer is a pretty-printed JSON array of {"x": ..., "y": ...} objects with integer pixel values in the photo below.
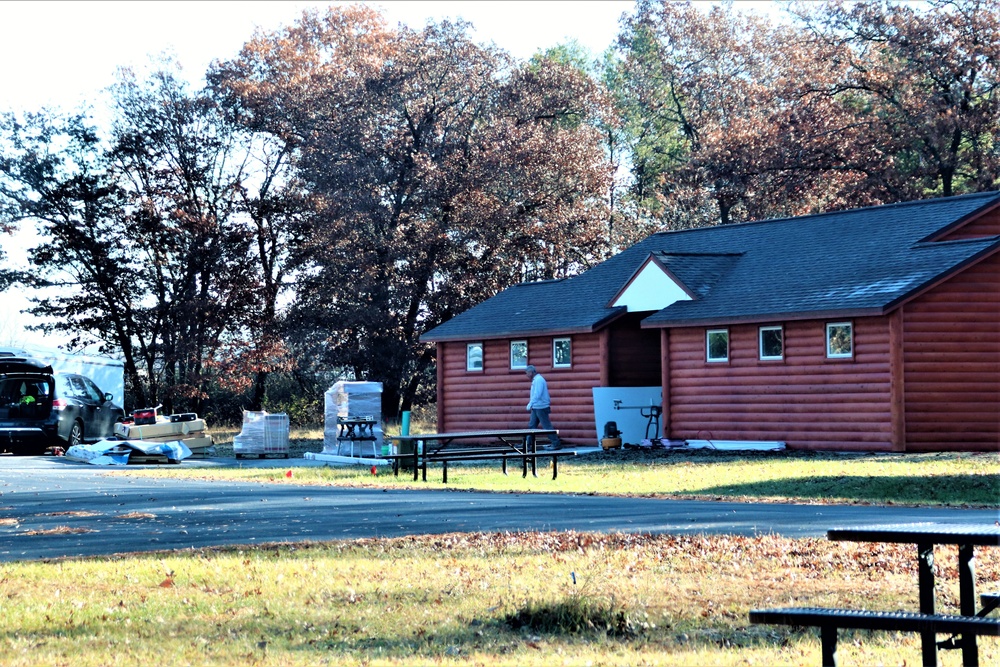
[{"x": 39, "y": 408}]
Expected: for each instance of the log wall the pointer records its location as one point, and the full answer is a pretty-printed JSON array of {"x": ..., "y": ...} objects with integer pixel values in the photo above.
[
  {"x": 805, "y": 400},
  {"x": 951, "y": 356},
  {"x": 495, "y": 398}
]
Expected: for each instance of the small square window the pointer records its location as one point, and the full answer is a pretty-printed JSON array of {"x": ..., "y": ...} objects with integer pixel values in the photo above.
[
  {"x": 518, "y": 354},
  {"x": 474, "y": 357},
  {"x": 772, "y": 346},
  {"x": 561, "y": 353},
  {"x": 839, "y": 340},
  {"x": 717, "y": 345}
]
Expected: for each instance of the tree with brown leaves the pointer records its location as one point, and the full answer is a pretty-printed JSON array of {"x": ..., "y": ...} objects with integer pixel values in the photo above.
[
  {"x": 926, "y": 81},
  {"x": 443, "y": 172}
]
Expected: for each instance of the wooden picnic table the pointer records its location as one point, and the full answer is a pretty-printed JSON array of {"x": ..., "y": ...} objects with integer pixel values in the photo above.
[
  {"x": 968, "y": 624},
  {"x": 502, "y": 444}
]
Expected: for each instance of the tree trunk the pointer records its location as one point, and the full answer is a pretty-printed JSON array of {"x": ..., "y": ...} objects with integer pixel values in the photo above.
[{"x": 259, "y": 391}]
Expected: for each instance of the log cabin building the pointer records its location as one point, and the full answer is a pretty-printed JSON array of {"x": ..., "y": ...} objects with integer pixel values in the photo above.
[{"x": 869, "y": 329}]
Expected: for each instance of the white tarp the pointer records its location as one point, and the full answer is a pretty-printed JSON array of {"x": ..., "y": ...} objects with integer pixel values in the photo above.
[{"x": 116, "y": 452}]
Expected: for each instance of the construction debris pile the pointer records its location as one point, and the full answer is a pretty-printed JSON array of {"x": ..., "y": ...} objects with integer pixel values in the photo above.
[
  {"x": 149, "y": 438},
  {"x": 187, "y": 428}
]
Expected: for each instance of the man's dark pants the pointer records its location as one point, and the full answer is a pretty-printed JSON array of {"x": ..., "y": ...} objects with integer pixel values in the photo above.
[{"x": 540, "y": 419}]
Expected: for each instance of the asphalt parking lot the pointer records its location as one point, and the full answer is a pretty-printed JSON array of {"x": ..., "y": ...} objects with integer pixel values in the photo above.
[{"x": 51, "y": 507}]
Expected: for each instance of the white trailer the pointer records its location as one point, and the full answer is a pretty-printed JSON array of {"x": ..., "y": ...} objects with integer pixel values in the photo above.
[{"x": 107, "y": 373}]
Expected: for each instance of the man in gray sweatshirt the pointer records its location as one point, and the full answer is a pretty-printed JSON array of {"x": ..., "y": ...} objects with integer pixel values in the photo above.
[{"x": 539, "y": 405}]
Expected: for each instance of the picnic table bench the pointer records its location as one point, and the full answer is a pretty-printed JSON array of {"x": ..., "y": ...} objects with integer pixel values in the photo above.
[
  {"x": 964, "y": 627},
  {"x": 504, "y": 444}
]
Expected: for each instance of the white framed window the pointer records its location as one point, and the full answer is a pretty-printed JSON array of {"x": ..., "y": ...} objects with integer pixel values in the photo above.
[
  {"x": 562, "y": 353},
  {"x": 839, "y": 340},
  {"x": 717, "y": 345},
  {"x": 518, "y": 355},
  {"x": 474, "y": 357},
  {"x": 772, "y": 343}
]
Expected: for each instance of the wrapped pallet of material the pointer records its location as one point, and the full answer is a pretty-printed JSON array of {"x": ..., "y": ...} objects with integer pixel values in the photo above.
[
  {"x": 352, "y": 399},
  {"x": 263, "y": 434}
]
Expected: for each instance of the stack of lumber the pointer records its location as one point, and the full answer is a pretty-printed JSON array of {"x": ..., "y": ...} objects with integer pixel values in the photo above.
[{"x": 189, "y": 429}]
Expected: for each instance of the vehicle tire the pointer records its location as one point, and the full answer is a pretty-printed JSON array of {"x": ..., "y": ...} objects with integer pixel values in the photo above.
[{"x": 75, "y": 435}]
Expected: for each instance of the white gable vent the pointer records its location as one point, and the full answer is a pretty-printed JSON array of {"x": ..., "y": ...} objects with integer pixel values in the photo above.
[{"x": 652, "y": 287}]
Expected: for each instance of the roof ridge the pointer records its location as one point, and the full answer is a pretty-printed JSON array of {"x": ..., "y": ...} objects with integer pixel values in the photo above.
[
  {"x": 697, "y": 254},
  {"x": 901, "y": 204},
  {"x": 547, "y": 281}
]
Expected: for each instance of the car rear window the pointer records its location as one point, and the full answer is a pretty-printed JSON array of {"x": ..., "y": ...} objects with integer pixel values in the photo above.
[{"x": 14, "y": 390}]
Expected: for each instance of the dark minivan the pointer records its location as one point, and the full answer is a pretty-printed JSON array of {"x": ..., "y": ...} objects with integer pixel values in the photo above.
[{"x": 40, "y": 408}]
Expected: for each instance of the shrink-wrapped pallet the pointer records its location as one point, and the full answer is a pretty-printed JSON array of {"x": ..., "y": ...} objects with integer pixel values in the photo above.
[{"x": 262, "y": 434}]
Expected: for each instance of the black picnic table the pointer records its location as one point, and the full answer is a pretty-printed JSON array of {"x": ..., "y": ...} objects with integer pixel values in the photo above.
[
  {"x": 502, "y": 444},
  {"x": 926, "y": 537},
  {"x": 928, "y": 623}
]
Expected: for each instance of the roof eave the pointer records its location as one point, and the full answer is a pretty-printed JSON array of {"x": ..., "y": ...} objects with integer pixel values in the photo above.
[
  {"x": 530, "y": 333},
  {"x": 766, "y": 318}
]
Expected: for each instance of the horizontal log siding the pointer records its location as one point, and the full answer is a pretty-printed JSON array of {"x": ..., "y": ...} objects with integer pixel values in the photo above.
[
  {"x": 806, "y": 401},
  {"x": 985, "y": 225},
  {"x": 951, "y": 354},
  {"x": 496, "y": 397}
]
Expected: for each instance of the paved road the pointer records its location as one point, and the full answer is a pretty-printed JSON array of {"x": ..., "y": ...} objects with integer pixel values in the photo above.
[{"x": 51, "y": 508}]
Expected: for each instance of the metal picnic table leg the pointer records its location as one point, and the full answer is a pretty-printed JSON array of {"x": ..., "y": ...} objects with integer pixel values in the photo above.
[
  {"x": 828, "y": 639},
  {"x": 925, "y": 581},
  {"x": 534, "y": 461},
  {"x": 967, "y": 600},
  {"x": 416, "y": 461}
]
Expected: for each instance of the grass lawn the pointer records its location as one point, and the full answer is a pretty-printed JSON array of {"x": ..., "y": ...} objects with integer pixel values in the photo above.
[
  {"x": 971, "y": 480},
  {"x": 512, "y": 599},
  {"x": 481, "y": 599}
]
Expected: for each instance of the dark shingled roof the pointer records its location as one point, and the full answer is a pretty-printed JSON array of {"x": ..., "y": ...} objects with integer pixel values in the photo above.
[
  {"x": 847, "y": 263},
  {"x": 698, "y": 272}
]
